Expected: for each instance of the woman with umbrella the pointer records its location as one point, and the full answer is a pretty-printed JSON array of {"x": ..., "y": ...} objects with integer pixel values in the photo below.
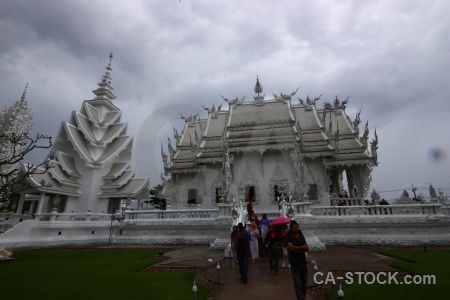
[{"x": 273, "y": 243}]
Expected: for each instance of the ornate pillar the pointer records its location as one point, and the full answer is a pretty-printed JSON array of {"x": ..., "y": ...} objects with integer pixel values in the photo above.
[
  {"x": 41, "y": 204},
  {"x": 334, "y": 178},
  {"x": 21, "y": 202},
  {"x": 350, "y": 182},
  {"x": 33, "y": 203}
]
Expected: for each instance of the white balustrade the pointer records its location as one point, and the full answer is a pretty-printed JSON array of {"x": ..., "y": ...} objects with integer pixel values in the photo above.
[
  {"x": 382, "y": 210},
  {"x": 378, "y": 210},
  {"x": 75, "y": 217},
  {"x": 302, "y": 208},
  {"x": 173, "y": 214}
]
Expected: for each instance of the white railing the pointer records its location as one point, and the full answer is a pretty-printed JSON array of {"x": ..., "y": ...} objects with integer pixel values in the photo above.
[
  {"x": 299, "y": 208},
  {"x": 89, "y": 216},
  {"x": 173, "y": 214},
  {"x": 302, "y": 208},
  {"x": 143, "y": 214},
  {"x": 374, "y": 210}
]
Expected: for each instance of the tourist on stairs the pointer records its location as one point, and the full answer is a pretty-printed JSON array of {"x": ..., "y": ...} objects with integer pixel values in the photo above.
[
  {"x": 254, "y": 248},
  {"x": 297, "y": 247},
  {"x": 243, "y": 249},
  {"x": 273, "y": 243}
]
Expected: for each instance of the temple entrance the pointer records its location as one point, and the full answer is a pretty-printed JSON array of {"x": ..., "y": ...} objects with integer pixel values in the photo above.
[
  {"x": 313, "y": 193},
  {"x": 192, "y": 196},
  {"x": 249, "y": 194},
  {"x": 276, "y": 194},
  {"x": 218, "y": 194},
  {"x": 114, "y": 205}
]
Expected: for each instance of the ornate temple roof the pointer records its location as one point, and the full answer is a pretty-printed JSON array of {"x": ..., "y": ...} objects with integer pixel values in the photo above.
[
  {"x": 133, "y": 187},
  {"x": 267, "y": 112},
  {"x": 52, "y": 185},
  {"x": 267, "y": 124}
]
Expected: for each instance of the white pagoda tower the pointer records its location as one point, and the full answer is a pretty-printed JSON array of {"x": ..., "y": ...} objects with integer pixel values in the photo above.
[{"x": 90, "y": 177}]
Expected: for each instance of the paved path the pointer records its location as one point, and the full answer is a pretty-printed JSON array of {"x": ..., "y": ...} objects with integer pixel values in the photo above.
[{"x": 263, "y": 285}]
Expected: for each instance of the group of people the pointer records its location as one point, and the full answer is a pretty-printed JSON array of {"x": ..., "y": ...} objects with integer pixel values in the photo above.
[
  {"x": 282, "y": 241},
  {"x": 381, "y": 202}
]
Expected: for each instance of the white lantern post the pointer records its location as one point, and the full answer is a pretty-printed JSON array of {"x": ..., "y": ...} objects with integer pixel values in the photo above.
[{"x": 194, "y": 291}]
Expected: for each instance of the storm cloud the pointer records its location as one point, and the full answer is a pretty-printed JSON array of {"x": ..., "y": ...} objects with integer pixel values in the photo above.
[{"x": 391, "y": 57}]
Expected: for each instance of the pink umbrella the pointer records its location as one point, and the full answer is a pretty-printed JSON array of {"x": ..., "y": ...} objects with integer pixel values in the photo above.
[{"x": 280, "y": 221}]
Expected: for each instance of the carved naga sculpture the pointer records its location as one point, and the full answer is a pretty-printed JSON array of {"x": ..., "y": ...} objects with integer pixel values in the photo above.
[
  {"x": 374, "y": 148},
  {"x": 230, "y": 102}
]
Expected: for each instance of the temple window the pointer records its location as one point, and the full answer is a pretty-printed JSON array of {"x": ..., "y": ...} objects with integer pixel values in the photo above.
[
  {"x": 249, "y": 194},
  {"x": 276, "y": 193},
  {"x": 192, "y": 196},
  {"x": 218, "y": 193},
  {"x": 60, "y": 204},
  {"x": 114, "y": 205},
  {"x": 313, "y": 193}
]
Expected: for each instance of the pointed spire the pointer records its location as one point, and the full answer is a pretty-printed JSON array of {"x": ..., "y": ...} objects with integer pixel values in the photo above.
[
  {"x": 24, "y": 93},
  {"x": 110, "y": 60},
  {"x": 104, "y": 91},
  {"x": 258, "y": 91},
  {"x": 258, "y": 87}
]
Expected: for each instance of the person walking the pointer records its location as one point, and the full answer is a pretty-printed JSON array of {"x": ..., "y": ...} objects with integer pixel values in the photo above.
[
  {"x": 264, "y": 224},
  {"x": 242, "y": 251},
  {"x": 233, "y": 238},
  {"x": 253, "y": 218},
  {"x": 273, "y": 243},
  {"x": 254, "y": 236},
  {"x": 297, "y": 247},
  {"x": 285, "y": 259}
]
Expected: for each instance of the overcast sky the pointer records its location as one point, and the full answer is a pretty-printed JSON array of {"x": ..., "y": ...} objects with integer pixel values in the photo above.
[{"x": 170, "y": 57}]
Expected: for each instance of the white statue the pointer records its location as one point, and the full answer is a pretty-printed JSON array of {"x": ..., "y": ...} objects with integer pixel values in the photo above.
[
  {"x": 284, "y": 207},
  {"x": 241, "y": 212}
]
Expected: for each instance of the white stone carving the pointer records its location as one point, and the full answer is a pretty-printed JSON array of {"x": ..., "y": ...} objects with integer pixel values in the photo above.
[
  {"x": 248, "y": 178},
  {"x": 279, "y": 179}
]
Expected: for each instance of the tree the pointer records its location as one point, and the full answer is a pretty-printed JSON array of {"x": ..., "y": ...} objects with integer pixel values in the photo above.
[
  {"x": 420, "y": 198},
  {"x": 404, "y": 198},
  {"x": 442, "y": 197},
  {"x": 15, "y": 144},
  {"x": 375, "y": 196},
  {"x": 158, "y": 203},
  {"x": 433, "y": 194}
]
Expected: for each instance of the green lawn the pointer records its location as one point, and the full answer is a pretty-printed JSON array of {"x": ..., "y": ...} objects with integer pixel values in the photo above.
[
  {"x": 418, "y": 263},
  {"x": 92, "y": 274}
]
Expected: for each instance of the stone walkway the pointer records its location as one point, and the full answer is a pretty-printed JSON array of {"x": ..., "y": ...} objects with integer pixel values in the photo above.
[{"x": 263, "y": 285}]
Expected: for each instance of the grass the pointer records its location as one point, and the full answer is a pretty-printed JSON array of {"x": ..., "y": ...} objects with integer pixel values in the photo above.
[
  {"x": 417, "y": 263},
  {"x": 92, "y": 274}
]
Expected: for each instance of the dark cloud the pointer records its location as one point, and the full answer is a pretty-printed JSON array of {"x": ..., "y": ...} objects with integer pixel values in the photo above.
[{"x": 391, "y": 57}]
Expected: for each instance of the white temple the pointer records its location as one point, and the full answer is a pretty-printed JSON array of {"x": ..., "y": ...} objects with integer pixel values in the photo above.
[
  {"x": 283, "y": 159},
  {"x": 261, "y": 150},
  {"x": 89, "y": 179},
  {"x": 277, "y": 155}
]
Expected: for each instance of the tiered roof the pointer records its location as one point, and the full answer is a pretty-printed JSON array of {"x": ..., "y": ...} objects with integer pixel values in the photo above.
[
  {"x": 94, "y": 138},
  {"x": 269, "y": 124}
]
